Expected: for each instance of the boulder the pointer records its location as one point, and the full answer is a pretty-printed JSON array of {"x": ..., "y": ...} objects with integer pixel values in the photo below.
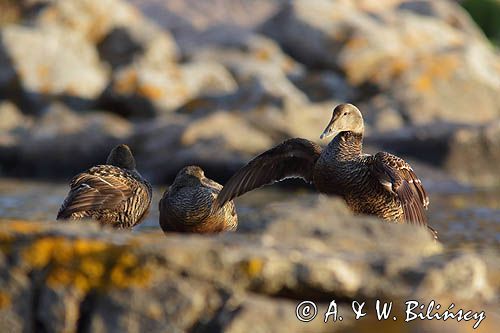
[
  {"x": 220, "y": 143},
  {"x": 421, "y": 54},
  {"x": 12, "y": 118},
  {"x": 143, "y": 90},
  {"x": 63, "y": 143},
  {"x": 469, "y": 153},
  {"x": 49, "y": 62},
  {"x": 151, "y": 282}
]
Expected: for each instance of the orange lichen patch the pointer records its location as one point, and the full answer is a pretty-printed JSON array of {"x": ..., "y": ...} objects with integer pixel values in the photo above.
[
  {"x": 42, "y": 70},
  {"x": 391, "y": 69},
  {"x": 288, "y": 65},
  {"x": 356, "y": 43},
  {"x": 253, "y": 267},
  {"x": 398, "y": 66},
  {"x": 435, "y": 68},
  {"x": 262, "y": 55},
  {"x": 150, "y": 91},
  {"x": 423, "y": 83},
  {"x": 86, "y": 264},
  {"x": 126, "y": 83},
  {"x": 23, "y": 227},
  {"x": 5, "y": 300}
]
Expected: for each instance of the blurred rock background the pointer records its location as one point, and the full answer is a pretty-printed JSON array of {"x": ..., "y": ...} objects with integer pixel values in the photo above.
[{"x": 214, "y": 83}]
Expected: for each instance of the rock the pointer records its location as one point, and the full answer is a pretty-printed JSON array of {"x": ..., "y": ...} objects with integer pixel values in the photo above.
[
  {"x": 63, "y": 143},
  {"x": 10, "y": 11},
  {"x": 69, "y": 67},
  {"x": 467, "y": 153},
  {"x": 422, "y": 61},
  {"x": 89, "y": 18},
  {"x": 474, "y": 155},
  {"x": 237, "y": 133},
  {"x": 140, "y": 41},
  {"x": 12, "y": 117},
  {"x": 220, "y": 143},
  {"x": 150, "y": 282},
  {"x": 258, "y": 59},
  {"x": 324, "y": 85},
  {"x": 143, "y": 91}
]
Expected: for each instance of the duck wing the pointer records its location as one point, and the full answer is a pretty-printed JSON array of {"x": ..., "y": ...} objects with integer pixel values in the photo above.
[
  {"x": 398, "y": 177},
  {"x": 96, "y": 189},
  {"x": 293, "y": 158}
]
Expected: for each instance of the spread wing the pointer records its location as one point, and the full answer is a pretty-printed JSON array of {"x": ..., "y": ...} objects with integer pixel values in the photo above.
[
  {"x": 399, "y": 178},
  {"x": 291, "y": 158},
  {"x": 94, "y": 192}
]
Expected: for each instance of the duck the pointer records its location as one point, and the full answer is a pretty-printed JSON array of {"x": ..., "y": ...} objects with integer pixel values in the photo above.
[
  {"x": 114, "y": 194},
  {"x": 187, "y": 206},
  {"x": 382, "y": 184}
]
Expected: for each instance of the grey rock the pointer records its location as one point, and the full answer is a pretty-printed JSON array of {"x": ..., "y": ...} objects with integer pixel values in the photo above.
[
  {"x": 376, "y": 45},
  {"x": 12, "y": 118},
  {"x": 62, "y": 142},
  {"x": 152, "y": 282},
  {"x": 69, "y": 68},
  {"x": 466, "y": 152},
  {"x": 144, "y": 90},
  {"x": 219, "y": 143}
]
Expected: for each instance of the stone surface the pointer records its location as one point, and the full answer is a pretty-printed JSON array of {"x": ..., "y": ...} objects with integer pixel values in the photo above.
[
  {"x": 219, "y": 143},
  {"x": 412, "y": 67},
  {"x": 104, "y": 280},
  {"x": 421, "y": 54},
  {"x": 63, "y": 142},
  {"x": 468, "y": 153},
  {"x": 66, "y": 65},
  {"x": 142, "y": 90}
]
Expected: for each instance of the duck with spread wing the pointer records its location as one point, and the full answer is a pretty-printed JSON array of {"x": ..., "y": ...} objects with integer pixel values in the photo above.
[{"x": 383, "y": 185}]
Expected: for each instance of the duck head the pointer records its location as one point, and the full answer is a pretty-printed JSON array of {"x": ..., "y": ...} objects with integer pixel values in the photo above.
[
  {"x": 121, "y": 156},
  {"x": 345, "y": 118},
  {"x": 189, "y": 176}
]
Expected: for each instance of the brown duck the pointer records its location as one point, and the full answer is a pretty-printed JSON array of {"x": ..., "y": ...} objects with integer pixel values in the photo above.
[
  {"x": 383, "y": 185},
  {"x": 187, "y": 206},
  {"x": 114, "y": 194}
]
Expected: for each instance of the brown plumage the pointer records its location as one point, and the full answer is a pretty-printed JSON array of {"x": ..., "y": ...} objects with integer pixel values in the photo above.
[
  {"x": 382, "y": 184},
  {"x": 114, "y": 194},
  {"x": 187, "y": 206}
]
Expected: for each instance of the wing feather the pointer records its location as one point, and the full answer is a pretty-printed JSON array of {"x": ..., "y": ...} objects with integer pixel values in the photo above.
[
  {"x": 291, "y": 158},
  {"x": 405, "y": 185},
  {"x": 94, "y": 192}
]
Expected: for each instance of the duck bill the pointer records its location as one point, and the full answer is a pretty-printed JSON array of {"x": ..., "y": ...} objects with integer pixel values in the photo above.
[{"x": 329, "y": 132}]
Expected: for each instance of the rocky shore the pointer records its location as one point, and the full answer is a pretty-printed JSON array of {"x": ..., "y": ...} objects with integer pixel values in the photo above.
[
  {"x": 82, "y": 278},
  {"x": 183, "y": 87},
  {"x": 422, "y": 73}
]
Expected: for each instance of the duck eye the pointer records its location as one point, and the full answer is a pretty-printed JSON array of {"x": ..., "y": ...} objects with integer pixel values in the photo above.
[{"x": 345, "y": 113}]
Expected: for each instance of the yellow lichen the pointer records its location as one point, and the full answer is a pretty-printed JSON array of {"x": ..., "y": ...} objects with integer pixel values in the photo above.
[
  {"x": 5, "y": 300},
  {"x": 253, "y": 267},
  {"x": 436, "y": 68},
  {"x": 150, "y": 91},
  {"x": 24, "y": 227},
  {"x": 356, "y": 43},
  {"x": 86, "y": 264},
  {"x": 126, "y": 83},
  {"x": 262, "y": 55}
]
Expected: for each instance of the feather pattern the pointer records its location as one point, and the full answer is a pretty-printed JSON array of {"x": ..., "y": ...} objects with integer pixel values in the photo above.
[
  {"x": 404, "y": 184},
  {"x": 293, "y": 158},
  {"x": 109, "y": 194},
  {"x": 188, "y": 205}
]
